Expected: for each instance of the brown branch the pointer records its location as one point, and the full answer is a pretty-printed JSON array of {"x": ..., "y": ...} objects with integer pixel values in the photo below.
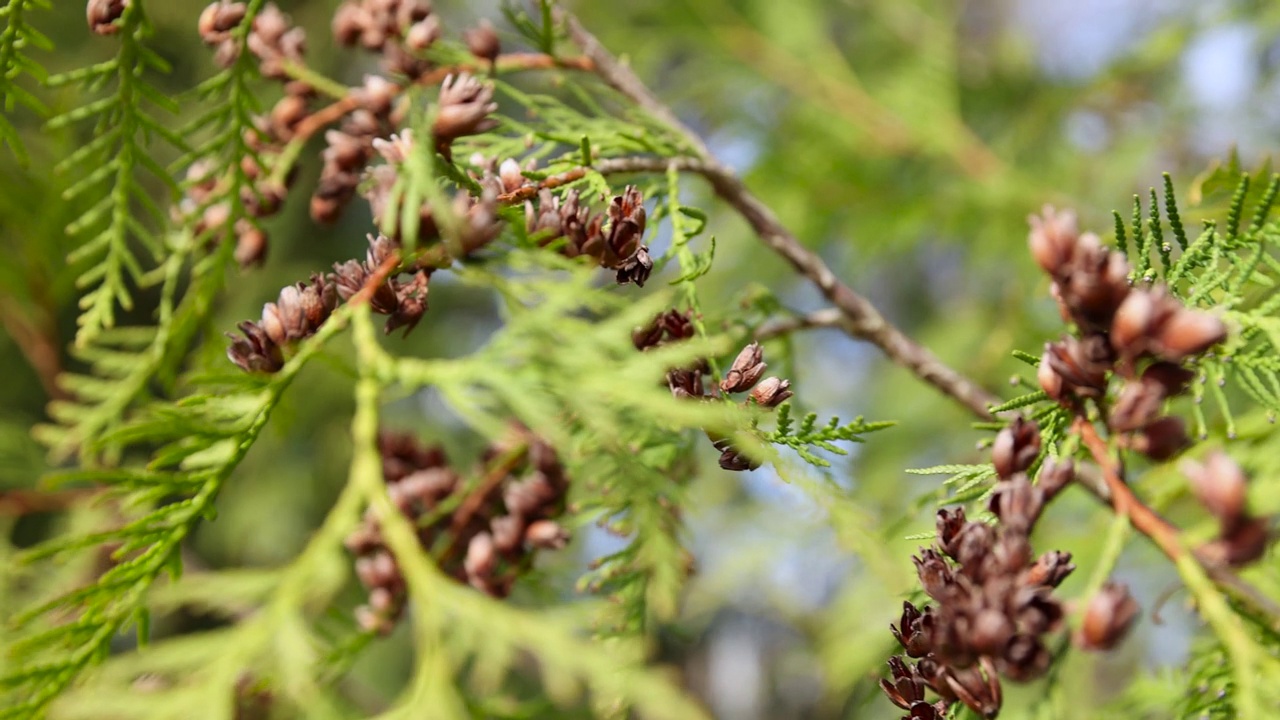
[
  {"x": 20, "y": 501},
  {"x": 824, "y": 318},
  {"x": 554, "y": 181},
  {"x": 375, "y": 279},
  {"x": 1123, "y": 499},
  {"x": 863, "y": 320},
  {"x": 476, "y": 499},
  {"x": 39, "y": 345}
]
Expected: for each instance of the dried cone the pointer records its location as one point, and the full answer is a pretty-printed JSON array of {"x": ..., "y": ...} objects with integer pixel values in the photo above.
[{"x": 1108, "y": 618}]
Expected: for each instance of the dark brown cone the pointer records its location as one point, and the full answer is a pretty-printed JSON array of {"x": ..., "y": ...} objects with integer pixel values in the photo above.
[
  {"x": 1162, "y": 439},
  {"x": 1017, "y": 503},
  {"x": 1049, "y": 570},
  {"x": 1055, "y": 474},
  {"x": 626, "y": 226},
  {"x": 1024, "y": 658},
  {"x": 914, "y": 630},
  {"x": 1242, "y": 544},
  {"x": 978, "y": 688},
  {"x": 949, "y": 524},
  {"x": 907, "y": 687},
  {"x": 635, "y": 269},
  {"x": 1154, "y": 323},
  {"x": 1075, "y": 367},
  {"x": 935, "y": 574},
  {"x": 1016, "y": 447},
  {"x": 255, "y": 352}
]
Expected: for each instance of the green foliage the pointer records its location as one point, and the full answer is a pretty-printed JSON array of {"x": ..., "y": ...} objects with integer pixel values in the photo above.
[
  {"x": 1231, "y": 266},
  {"x": 966, "y": 483},
  {"x": 122, "y": 216},
  {"x": 201, "y": 440},
  {"x": 801, "y": 438},
  {"x": 17, "y": 37},
  {"x": 125, "y": 362},
  {"x": 891, "y": 138}
]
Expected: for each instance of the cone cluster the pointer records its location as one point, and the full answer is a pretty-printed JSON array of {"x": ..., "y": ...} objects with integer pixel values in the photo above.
[
  {"x": 743, "y": 375},
  {"x": 483, "y": 533},
  {"x": 992, "y": 597},
  {"x": 1141, "y": 335}
]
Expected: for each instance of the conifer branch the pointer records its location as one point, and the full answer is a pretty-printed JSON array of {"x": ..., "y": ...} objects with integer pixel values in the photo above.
[
  {"x": 865, "y": 321},
  {"x": 151, "y": 544},
  {"x": 119, "y": 154},
  {"x": 18, "y": 35}
]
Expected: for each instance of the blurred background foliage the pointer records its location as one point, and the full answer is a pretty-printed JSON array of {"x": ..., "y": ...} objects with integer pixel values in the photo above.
[{"x": 905, "y": 141}]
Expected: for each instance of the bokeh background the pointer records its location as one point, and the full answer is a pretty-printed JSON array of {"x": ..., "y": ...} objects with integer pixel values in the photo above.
[{"x": 905, "y": 141}]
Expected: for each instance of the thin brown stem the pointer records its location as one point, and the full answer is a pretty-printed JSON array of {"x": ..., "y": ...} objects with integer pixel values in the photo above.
[
  {"x": 497, "y": 472},
  {"x": 1146, "y": 520},
  {"x": 38, "y": 343},
  {"x": 22, "y": 501},
  {"x": 824, "y": 318}
]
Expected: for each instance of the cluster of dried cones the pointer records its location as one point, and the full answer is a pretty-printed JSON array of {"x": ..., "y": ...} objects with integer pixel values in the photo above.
[
  {"x": 484, "y": 535},
  {"x": 743, "y": 375},
  {"x": 402, "y": 296},
  {"x": 400, "y": 30},
  {"x": 615, "y": 245},
  {"x": 301, "y": 309},
  {"x": 1140, "y": 334},
  {"x": 994, "y": 598}
]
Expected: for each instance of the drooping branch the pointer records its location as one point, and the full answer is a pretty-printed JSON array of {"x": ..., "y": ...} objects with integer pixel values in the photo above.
[{"x": 864, "y": 320}]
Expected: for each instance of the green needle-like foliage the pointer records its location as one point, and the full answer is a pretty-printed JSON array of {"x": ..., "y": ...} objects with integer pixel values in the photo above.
[
  {"x": 119, "y": 240},
  {"x": 586, "y": 324}
]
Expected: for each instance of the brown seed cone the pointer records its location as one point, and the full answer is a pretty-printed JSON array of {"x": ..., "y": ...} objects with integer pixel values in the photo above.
[
  {"x": 218, "y": 19},
  {"x": 464, "y": 107},
  {"x": 1242, "y": 544},
  {"x": 1016, "y": 447},
  {"x": 1108, "y": 618},
  {"x": 747, "y": 369},
  {"x": 1152, "y": 322},
  {"x": 1162, "y": 439},
  {"x": 1220, "y": 485},
  {"x": 103, "y": 14},
  {"x": 771, "y": 392},
  {"x": 482, "y": 41}
]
